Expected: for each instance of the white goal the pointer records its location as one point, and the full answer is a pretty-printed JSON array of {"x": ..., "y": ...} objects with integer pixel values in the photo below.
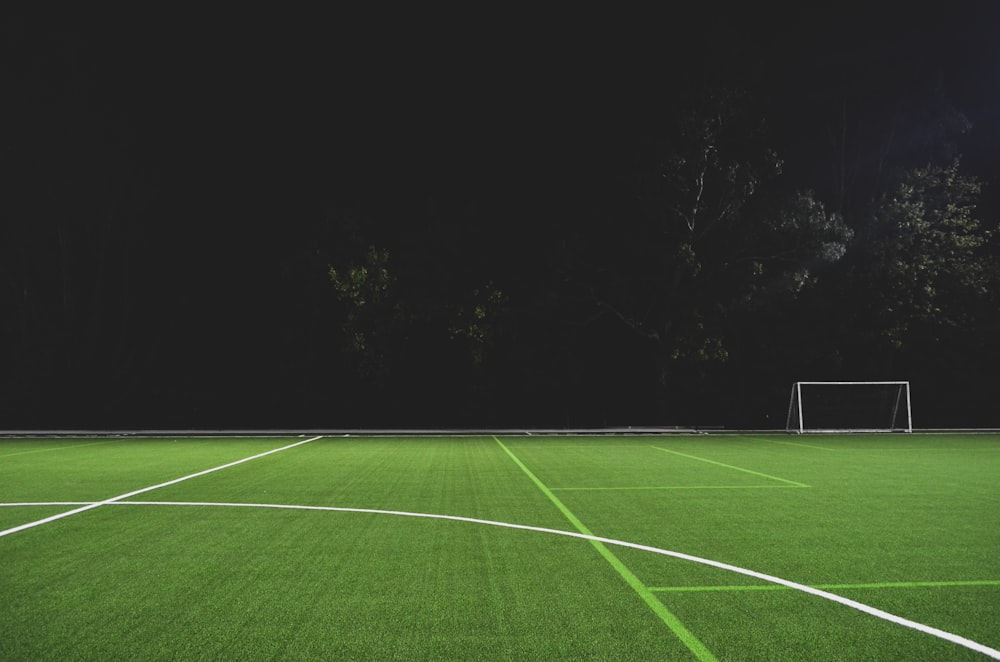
[{"x": 850, "y": 407}]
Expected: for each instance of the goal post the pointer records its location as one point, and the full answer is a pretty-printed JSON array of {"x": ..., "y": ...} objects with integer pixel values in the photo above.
[{"x": 850, "y": 407}]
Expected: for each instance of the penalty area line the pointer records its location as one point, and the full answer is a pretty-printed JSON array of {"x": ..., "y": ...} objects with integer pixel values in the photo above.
[
  {"x": 680, "y": 487},
  {"x": 98, "y": 504},
  {"x": 730, "y": 466}
]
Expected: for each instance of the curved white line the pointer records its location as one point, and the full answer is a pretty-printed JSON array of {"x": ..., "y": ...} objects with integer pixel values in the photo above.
[{"x": 872, "y": 611}]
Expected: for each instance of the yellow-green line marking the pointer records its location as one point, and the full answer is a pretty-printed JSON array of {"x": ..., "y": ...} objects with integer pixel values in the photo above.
[
  {"x": 790, "y": 443},
  {"x": 730, "y": 466},
  {"x": 680, "y": 487},
  {"x": 776, "y": 587},
  {"x": 669, "y": 619}
]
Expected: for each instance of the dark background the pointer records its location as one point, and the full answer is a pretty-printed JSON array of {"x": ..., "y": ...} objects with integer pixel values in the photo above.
[{"x": 177, "y": 187}]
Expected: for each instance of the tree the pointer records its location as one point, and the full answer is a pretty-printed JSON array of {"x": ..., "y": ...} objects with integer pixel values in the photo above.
[
  {"x": 477, "y": 322},
  {"x": 370, "y": 312},
  {"x": 919, "y": 300},
  {"x": 416, "y": 329},
  {"x": 927, "y": 266},
  {"x": 703, "y": 239}
]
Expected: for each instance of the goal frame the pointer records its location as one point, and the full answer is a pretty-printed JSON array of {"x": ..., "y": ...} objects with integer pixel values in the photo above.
[{"x": 796, "y": 418}]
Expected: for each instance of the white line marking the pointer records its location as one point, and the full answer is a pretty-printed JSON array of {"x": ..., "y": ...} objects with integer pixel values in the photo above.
[
  {"x": 871, "y": 611},
  {"x": 98, "y": 504}
]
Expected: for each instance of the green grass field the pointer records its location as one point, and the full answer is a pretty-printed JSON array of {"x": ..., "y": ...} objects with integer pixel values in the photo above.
[{"x": 149, "y": 567}]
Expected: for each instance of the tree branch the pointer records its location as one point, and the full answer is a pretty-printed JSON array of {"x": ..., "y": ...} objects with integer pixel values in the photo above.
[{"x": 637, "y": 327}]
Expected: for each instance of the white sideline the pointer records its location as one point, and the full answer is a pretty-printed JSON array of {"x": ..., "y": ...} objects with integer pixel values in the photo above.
[
  {"x": 871, "y": 611},
  {"x": 98, "y": 504}
]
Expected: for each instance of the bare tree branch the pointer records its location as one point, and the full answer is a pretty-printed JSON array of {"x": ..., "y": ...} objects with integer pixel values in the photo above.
[{"x": 637, "y": 327}]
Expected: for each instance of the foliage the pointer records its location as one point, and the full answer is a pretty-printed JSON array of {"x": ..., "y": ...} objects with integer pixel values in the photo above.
[
  {"x": 927, "y": 265},
  {"x": 706, "y": 238},
  {"x": 477, "y": 322},
  {"x": 790, "y": 248},
  {"x": 370, "y": 315}
]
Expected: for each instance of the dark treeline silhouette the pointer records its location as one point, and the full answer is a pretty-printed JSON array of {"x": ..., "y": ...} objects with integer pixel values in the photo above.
[{"x": 355, "y": 222}]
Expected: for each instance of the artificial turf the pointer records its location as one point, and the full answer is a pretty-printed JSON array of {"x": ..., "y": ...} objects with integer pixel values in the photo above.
[{"x": 908, "y": 524}]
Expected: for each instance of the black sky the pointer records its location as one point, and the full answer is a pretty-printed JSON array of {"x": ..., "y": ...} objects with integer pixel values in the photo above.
[
  {"x": 216, "y": 100},
  {"x": 343, "y": 100}
]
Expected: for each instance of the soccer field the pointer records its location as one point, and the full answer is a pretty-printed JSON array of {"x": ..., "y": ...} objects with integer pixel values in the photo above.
[{"x": 676, "y": 547}]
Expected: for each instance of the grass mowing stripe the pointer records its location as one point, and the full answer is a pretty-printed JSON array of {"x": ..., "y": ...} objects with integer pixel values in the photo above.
[
  {"x": 774, "y": 587},
  {"x": 98, "y": 504},
  {"x": 45, "y": 503},
  {"x": 669, "y": 619},
  {"x": 729, "y": 466},
  {"x": 833, "y": 597},
  {"x": 681, "y": 487},
  {"x": 59, "y": 448}
]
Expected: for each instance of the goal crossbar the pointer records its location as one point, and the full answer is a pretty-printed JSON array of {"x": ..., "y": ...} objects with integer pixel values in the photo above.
[{"x": 891, "y": 411}]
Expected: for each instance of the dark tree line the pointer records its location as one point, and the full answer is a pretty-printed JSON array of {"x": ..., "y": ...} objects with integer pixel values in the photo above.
[
  {"x": 691, "y": 287},
  {"x": 227, "y": 246}
]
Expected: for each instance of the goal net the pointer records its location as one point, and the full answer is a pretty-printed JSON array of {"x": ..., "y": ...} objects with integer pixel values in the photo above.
[{"x": 850, "y": 407}]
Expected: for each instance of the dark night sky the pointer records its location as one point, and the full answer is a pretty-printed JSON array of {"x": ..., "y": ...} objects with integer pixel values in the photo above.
[
  {"x": 244, "y": 125},
  {"x": 259, "y": 108},
  {"x": 217, "y": 100}
]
